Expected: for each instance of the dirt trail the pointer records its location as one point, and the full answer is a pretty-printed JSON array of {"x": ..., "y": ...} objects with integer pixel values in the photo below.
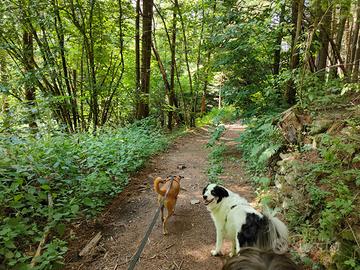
[{"x": 191, "y": 230}]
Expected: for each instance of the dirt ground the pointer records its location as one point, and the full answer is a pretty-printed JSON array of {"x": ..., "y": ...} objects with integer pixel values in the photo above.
[{"x": 191, "y": 231}]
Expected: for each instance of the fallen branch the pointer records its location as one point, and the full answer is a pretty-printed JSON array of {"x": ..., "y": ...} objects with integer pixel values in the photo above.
[
  {"x": 169, "y": 246},
  {"x": 181, "y": 264},
  {"x": 93, "y": 242},
  {"x": 46, "y": 233}
]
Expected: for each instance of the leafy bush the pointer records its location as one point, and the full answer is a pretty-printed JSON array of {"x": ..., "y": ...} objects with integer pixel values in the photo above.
[
  {"x": 216, "y": 159},
  {"x": 260, "y": 142},
  {"x": 78, "y": 173}
]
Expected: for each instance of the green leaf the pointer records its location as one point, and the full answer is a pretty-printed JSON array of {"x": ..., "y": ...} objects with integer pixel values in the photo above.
[
  {"x": 75, "y": 208},
  {"x": 45, "y": 187},
  {"x": 88, "y": 202},
  {"x": 9, "y": 255},
  {"x": 18, "y": 197}
]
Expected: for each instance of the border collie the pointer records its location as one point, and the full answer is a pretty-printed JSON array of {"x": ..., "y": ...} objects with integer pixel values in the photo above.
[{"x": 236, "y": 220}]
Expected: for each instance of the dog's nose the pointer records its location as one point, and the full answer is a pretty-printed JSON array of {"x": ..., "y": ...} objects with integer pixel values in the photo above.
[{"x": 205, "y": 197}]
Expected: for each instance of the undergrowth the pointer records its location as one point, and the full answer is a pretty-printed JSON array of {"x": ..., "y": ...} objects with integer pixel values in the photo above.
[
  {"x": 47, "y": 182},
  {"x": 216, "y": 155},
  {"x": 217, "y": 116},
  {"x": 319, "y": 188},
  {"x": 216, "y": 119},
  {"x": 259, "y": 142}
]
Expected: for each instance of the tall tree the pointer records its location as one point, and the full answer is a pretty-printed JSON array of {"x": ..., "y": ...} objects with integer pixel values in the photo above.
[
  {"x": 187, "y": 62},
  {"x": 146, "y": 42},
  {"x": 137, "y": 56},
  {"x": 323, "y": 13}
]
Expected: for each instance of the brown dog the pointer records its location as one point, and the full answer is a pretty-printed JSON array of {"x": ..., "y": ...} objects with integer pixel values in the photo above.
[{"x": 170, "y": 200}]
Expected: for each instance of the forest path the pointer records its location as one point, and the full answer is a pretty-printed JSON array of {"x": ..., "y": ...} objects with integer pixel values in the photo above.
[{"x": 191, "y": 231}]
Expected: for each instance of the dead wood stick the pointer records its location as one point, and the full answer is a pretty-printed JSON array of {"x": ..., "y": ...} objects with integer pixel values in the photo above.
[
  {"x": 169, "y": 246},
  {"x": 93, "y": 242},
  {"x": 46, "y": 233},
  {"x": 181, "y": 264}
]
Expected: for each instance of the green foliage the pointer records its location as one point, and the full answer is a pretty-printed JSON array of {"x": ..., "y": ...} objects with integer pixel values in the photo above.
[
  {"x": 216, "y": 135},
  {"x": 216, "y": 159},
  {"x": 244, "y": 46},
  {"x": 79, "y": 173},
  {"x": 314, "y": 91},
  {"x": 328, "y": 210},
  {"x": 260, "y": 142},
  {"x": 338, "y": 177},
  {"x": 217, "y": 116},
  {"x": 216, "y": 155}
]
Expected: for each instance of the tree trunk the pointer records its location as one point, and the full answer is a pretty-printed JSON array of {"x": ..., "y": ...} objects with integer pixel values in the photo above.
[
  {"x": 192, "y": 113},
  {"x": 355, "y": 73},
  {"x": 355, "y": 54},
  {"x": 91, "y": 56},
  {"x": 61, "y": 40},
  {"x": 5, "y": 108},
  {"x": 355, "y": 33},
  {"x": 277, "y": 53},
  {"x": 207, "y": 69},
  {"x": 297, "y": 15},
  {"x": 137, "y": 57},
  {"x": 146, "y": 57},
  {"x": 28, "y": 61},
  {"x": 325, "y": 23},
  {"x": 344, "y": 10}
]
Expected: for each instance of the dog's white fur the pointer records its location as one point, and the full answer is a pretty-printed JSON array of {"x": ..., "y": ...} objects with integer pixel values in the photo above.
[{"x": 228, "y": 221}]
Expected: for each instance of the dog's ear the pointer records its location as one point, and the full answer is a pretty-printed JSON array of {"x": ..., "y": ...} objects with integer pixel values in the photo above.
[{"x": 220, "y": 193}]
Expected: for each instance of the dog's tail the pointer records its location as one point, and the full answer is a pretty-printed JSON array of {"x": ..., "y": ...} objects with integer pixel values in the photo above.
[
  {"x": 157, "y": 189},
  {"x": 279, "y": 233}
]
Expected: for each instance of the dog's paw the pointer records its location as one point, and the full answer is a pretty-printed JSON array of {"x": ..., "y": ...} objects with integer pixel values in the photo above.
[
  {"x": 215, "y": 252},
  {"x": 231, "y": 254}
]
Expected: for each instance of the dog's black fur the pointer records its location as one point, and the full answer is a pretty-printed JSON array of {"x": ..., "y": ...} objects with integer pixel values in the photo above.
[
  {"x": 253, "y": 230},
  {"x": 220, "y": 193}
]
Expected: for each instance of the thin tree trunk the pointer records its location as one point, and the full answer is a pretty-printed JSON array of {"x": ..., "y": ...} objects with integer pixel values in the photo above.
[
  {"x": 172, "y": 100},
  {"x": 207, "y": 69},
  {"x": 355, "y": 73},
  {"x": 60, "y": 35},
  {"x": 349, "y": 27},
  {"x": 192, "y": 116},
  {"x": 146, "y": 57},
  {"x": 344, "y": 10},
  {"x": 172, "y": 43},
  {"x": 325, "y": 23},
  {"x": 355, "y": 34},
  {"x": 91, "y": 57},
  {"x": 28, "y": 58},
  {"x": 5, "y": 107},
  {"x": 297, "y": 15},
  {"x": 277, "y": 53},
  {"x": 137, "y": 57},
  {"x": 108, "y": 102}
]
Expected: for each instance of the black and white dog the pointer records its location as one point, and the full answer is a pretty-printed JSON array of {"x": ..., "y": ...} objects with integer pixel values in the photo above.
[{"x": 236, "y": 220}]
